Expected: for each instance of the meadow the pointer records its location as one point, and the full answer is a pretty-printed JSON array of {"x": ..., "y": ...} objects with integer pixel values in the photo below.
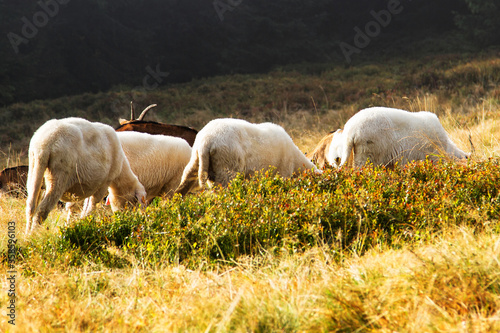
[{"x": 414, "y": 249}]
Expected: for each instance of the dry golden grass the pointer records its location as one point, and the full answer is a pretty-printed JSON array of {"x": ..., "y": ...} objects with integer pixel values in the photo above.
[
  {"x": 442, "y": 287},
  {"x": 450, "y": 286}
]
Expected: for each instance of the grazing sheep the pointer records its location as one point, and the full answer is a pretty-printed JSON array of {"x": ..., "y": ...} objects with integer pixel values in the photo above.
[
  {"x": 78, "y": 159},
  {"x": 387, "y": 136},
  {"x": 157, "y": 160},
  {"x": 225, "y": 147}
]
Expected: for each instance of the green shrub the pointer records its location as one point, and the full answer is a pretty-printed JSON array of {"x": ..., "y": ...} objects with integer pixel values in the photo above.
[{"x": 349, "y": 210}]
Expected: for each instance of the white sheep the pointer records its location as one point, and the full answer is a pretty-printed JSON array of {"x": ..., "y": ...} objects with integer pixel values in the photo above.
[
  {"x": 78, "y": 159},
  {"x": 386, "y": 136},
  {"x": 226, "y": 147},
  {"x": 157, "y": 160}
]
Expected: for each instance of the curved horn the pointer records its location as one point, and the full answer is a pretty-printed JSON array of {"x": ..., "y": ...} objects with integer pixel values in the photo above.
[
  {"x": 143, "y": 113},
  {"x": 132, "y": 115}
]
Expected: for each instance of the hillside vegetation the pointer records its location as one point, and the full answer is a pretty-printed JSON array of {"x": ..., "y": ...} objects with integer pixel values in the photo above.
[
  {"x": 59, "y": 48},
  {"x": 415, "y": 249},
  {"x": 308, "y": 100}
]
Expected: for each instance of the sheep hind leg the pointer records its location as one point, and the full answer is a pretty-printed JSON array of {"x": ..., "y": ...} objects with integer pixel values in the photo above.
[
  {"x": 92, "y": 201},
  {"x": 49, "y": 201},
  {"x": 189, "y": 179},
  {"x": 188, "y": 183}
]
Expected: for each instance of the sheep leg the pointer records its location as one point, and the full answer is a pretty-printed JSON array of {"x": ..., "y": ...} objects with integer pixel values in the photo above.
[
  {"x": 189, "y": 176},
  {"x": 88, "y": 205},
  {"x": 69, "y": 210},
  {"x": 49, "y": 201},
  {"x": 91, "y": 201}
]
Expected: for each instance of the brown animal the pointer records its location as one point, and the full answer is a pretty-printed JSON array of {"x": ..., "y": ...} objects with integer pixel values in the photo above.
[
  {"x": 13, "y": 181},
  {"x": 319, "y": 154},
  {"x": 153, "y": 127}
]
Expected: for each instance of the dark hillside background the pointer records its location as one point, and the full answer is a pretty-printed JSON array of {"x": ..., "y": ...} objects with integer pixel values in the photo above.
[{"x": 79, "y": 46}]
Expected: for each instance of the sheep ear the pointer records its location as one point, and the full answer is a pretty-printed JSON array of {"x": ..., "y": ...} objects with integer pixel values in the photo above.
[{"x": 108, "y": 201}]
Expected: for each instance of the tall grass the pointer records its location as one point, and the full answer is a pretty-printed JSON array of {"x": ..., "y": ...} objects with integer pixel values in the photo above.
[{"x": 450, "y": 285}]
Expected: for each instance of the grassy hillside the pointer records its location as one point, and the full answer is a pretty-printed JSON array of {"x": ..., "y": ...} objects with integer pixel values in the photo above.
[
  {"x": 410, "y": 250},
  {"x": 308, "y": 100}
]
